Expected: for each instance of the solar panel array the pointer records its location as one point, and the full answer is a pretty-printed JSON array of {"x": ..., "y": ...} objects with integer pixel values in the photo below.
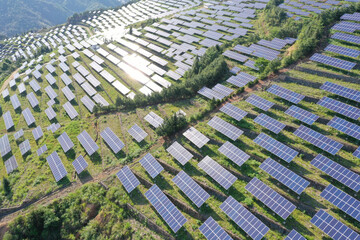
[
  {"x": 65, "y": 142},
  {"x": 284, "y": 175},
  {"x": 57, "y": 167},
  {"x": 341, "y": 91},
  {"x": 137, "y": 133},
  {"x": 339, "y": 107},
  {"x": 217, "y": 172},
  {"x": 171, "y": 215},
  {"x": 41, "y": 150},
  {"x": 11, "y": 165},
  {"x": 70, "y": 110},
  {"x": 15, "y": 101},
  {"x": 24, "y": 147},
  {"x": 37, "y": 133},
  {"x": 112, "y": 140},
  {"x": 275, "y": 147},
  {"x": 333, "y": 227},
  {"x": 294, "y": 235},
  {"x": 244, "y": 218},
  {"x": 346, "y": 127},
  {"x": 19, "y": 134},
  {"x": 196, "y": 137},
  {"x": 342, "y": 200},
  {"x": 213, "y": 231},
  {"x": 259, "y": 102},
  {"x": 152, "y": 166},
  {"x": 343, "y": 50},
  {"x": 273, "y": 200},
  {"x": 318, "y": 140},
  {"x": 9, "y": 123},
  {"x": 80, "y": 164},
  {"x": 29, "y": 118},
  {"x": 235, "y": 154},
  {"x": 154, "y": 119},
  {"x": 88, "y": 143},
  {"x": 337, "y": 171},
  {"x": 268, "y": 122},
  {"x": 32, "y": 100},
  {"x": 301, "y": 115},
  {"x": 179, "y": 153},
  {"x": 225, "y": 128},
  {"x": 331, "y": 61},
  {"x": 346, "y": 37},
  {"x": 286, "y": 94},
  {"x": 128, "y": 179},
  {"x": 233, "y": 111},
  {"x": 191, "y": 189}
]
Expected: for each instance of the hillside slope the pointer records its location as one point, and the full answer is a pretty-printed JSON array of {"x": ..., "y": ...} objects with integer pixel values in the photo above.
[{"x": 18, "y": 16}]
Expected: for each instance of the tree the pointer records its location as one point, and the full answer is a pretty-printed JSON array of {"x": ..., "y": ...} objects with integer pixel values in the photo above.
[
  {"x": 6, "y": 186},
  {"x": 261, "y": 64}
]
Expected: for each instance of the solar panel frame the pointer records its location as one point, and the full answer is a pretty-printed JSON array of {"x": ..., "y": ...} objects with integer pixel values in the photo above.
[
  {"x": 225, "y": 128},
  {"x": 180, "y": 153},
  {"x": 273, "y": 200},
  {"x": 213, "y": 231},
  {"x": 167, "y": 210},
  {"x": 56, "y": 166},
  {"x": 80, "y": 164},
  {"x": 244, "y": 218},
  {"x": 112, "y": 140},
  {"x": 151, "y": 165},
  {"x": 87, "y": 142}
]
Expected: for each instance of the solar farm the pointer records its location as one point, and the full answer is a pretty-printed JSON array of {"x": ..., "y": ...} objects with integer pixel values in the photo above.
[{"x": 273, "y": 158}]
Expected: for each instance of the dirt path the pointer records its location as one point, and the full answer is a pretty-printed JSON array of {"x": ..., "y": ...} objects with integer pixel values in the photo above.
[{"x": 6, "y": 83}]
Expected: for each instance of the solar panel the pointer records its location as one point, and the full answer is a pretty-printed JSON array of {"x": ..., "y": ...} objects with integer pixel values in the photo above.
[
  {"x": 318, "y": 140},
  {"x": 50, "y": 92},
  {"x": 68, "y": 93},
  {"x": 342, "y": 200},
  {"x": 37, "y": 133},
  {"x": 87, "y": 142},
  {"x": 15, "y": 101},
  {"x": 268, "y": 122},
  {"x": 337, "y": 171},
  {"x": 80, "y": 164},
  {"x": 301, "y": 115},
  {"x": 346, "y": 37},
  {"x": 233, "y": 153},
  {"x": 225, "y": 128},
  {"x": 32, "y": 100},
  {"x": 50, "y": 113},
  {"x": 136, "y": 132},
  {"x": 88, "y": 103},
  {"x": 57, "y": 168},
  {"x": 333, "y": 227},
  {"x": 167, "y": 210},
  {"x": 19, "y": 134},
  {"x": 213, "y": 231},
  {"x": 244, "y": 218},
  {"x": 233, "y": 111},
  {"x": 217, "y": 172},
  {"x": 41, "y": 150},
  {"x": 191, "y": 189},
  {"x": 179, "y": 153},
  {"x": 65, "y": 142},
  {"x": 11, "y": 164},
  {"x": 150, "y": 164},
  {"x": 341, "y": 91},
  {"x": 286, "y": 94},
  {"x": 259, "y": 102},
  {"x": 294, "y": 235},
  {"x": 339, "y": 107},
  {"x": 70, "y": 110},
  {"x": 128, "y": 179},
  {"x": 29, "y": 118},
  {"x": 154, "y": 119},
  {"x": 284, "y": 175},
  {"x": 275, "y": 147},
  {"x": 196, "y": 137},
  {"x": 343, "y": 50},
  {"x": 34, "y": 85},
  {"x": 346, "y": 127},
  {"x": 273, "y": 200},
  {"x": 331, "y": 61},
  {"x": 24, "y": 147},
  {"x": 9, "y": 123},
  {"x": 112, "y": 140}
]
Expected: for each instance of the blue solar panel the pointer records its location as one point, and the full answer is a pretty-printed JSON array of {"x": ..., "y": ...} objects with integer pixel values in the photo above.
[
  {"x": 284, "y": 175},
  {"x": 259, "y": 102},
  {"x": 343, "y": 50},
  {"x": 150, "y": 164},
  {"x": 275, "y": 147},
  {"x": 357, "y": 153},
  {"x": 333, "y": 227},
  {"x": 337, "y": 171},
  {"x": 346, "y": 37},
  {"x": 280, "y": 205},
  {"x": 213, "y": 231},
  {"x": 318, "y": 140},
  {"x": 88, "y": 143},
  {"x": 112, "y": 140},
  {"x": 267, "y": 122},
  {"x": 171, "y": 215},
  {"x": 346, "y": 127},
  {"x": 341, "y": 91},
  {"x": 80, "y": 164},
  {"x": 56, "y": 166},
  {"x": 192, "y": 190},
  {"x": 345, "y": 202},
  {"x": 233, "y": 153},
  {"x": 331, "y": 61},
  {"x": 339, "y": 107},
  {"x": 225, "y": 128},
  {"x": 217, "y": 172},
  {"x": 233, "y": 111},
  {"x": 294, "y": 235},
  {"x": 244, "y": 218},
  {"x": 286, "y": 94},
  {"x": 301, "y": 115},
  {"x": 179, "y": 153},
  {"x": 128, "y": 179}
]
